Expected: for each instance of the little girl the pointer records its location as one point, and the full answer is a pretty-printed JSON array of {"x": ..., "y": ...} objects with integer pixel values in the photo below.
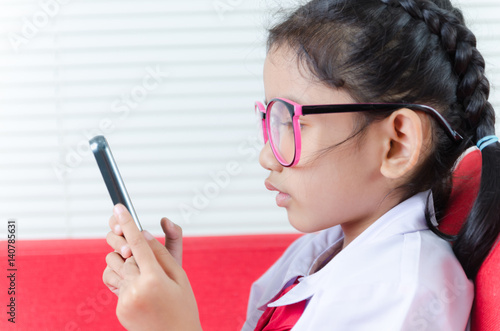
[{"x": 369, "y": 104}]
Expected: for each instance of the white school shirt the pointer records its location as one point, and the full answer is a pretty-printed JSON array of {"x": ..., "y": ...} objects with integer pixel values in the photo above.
[{"x": 396, "y": 275}]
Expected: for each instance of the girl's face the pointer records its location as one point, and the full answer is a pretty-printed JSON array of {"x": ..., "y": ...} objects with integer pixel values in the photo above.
[{"x": 329, "y": 186}]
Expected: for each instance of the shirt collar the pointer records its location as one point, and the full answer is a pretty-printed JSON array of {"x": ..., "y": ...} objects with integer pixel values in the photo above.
[
  {"x": 309, "y": 249},
  {"x": 408, "y": 216}
]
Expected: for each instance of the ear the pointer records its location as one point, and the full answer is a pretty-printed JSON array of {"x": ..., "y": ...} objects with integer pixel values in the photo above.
[{"x": 402, "y": 143}]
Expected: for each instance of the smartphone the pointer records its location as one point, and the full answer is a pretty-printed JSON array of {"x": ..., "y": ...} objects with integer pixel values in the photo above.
[{"x": 111, "y": 175}]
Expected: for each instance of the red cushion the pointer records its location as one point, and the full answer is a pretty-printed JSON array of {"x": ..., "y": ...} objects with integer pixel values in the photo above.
[
  {"x": 466, "y": 180},
  {"x": 222, "y": 270},
  {"x": 486, "y": 310},
  {"x": 59, "y": 282}
]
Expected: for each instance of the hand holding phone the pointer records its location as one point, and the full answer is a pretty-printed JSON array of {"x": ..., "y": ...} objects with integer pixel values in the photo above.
[{"x": 111, "y": 175}]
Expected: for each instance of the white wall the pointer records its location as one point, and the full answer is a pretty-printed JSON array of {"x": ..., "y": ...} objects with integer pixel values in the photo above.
[{"x": 81, "y": 70}]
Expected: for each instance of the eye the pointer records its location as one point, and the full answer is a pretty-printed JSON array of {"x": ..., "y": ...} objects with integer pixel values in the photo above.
[
  {"x": 288, "y": 124},
  {"x": 302, "y": 125}
]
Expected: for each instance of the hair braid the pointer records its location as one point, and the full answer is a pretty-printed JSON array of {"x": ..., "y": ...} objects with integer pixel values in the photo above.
[
  {"x": 482, "y": 227},
  {"x": 469, "y": 65}
]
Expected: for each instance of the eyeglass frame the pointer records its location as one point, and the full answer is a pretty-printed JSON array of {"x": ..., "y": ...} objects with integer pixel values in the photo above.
[{"x": 296, "y": 110}]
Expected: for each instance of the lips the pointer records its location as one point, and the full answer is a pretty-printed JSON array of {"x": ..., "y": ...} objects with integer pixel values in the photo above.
[
  {"x": 282, "y": 199},
  {"x": 270, "y": 186}
]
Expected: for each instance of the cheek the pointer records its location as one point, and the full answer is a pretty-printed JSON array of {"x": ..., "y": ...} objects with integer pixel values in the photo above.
[
  {"x": 316, "y": 197},
  {"x": 325, "y": 140},
  {"x": 328, "y": 193}
]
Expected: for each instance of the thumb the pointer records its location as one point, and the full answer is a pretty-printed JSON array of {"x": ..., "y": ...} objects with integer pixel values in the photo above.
[{"x": 173, "y": 238}]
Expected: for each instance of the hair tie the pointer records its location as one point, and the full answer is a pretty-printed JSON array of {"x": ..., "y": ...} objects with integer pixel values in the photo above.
[{"x": 486, "y": 141}]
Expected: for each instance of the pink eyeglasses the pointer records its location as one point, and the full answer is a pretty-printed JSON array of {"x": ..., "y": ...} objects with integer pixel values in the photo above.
[{"x": 280, "y": 123}]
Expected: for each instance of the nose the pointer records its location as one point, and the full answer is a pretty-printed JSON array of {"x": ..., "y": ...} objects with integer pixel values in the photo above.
[{"x": 267, "y": 159}]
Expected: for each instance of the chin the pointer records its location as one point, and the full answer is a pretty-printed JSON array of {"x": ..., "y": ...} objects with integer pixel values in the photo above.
[
  {"x": 307, "y": 223},
  {"x": 302, "y": 224}
]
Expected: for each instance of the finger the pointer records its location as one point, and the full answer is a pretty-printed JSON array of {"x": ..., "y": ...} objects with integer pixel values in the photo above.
[
  {"x": 173, "y": 238},
  {"x": 115, "y": 262},
  {"x": 143, "y": 254},
  {"x": 111, "y": 280},
  {"x": 114, "y": 226},
  {"x": 130, "y": 268},
  {"x": 168, "y": 263},
  {"x": 119, "y": 244},
  {"x": 124, "y": 269}
]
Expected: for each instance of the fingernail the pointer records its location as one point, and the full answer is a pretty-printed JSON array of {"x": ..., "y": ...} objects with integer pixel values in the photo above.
[
  {"x": 118, "y": 229},
  {"x": 147, "y": 235},
  {"x": 124, "y": 250},
  {"x": 170, "y": 224},
  {"x": 119, "y": 210}
]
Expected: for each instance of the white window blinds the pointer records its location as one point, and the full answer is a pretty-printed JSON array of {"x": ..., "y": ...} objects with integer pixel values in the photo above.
[{"x": 171, "y": 84}]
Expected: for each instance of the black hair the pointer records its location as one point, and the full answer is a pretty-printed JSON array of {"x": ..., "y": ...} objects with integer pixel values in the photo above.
[{"x": 410, "y": 51}]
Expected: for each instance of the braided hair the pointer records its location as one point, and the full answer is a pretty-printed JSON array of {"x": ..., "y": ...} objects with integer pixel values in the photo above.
[{"x": 410, "y": 51}]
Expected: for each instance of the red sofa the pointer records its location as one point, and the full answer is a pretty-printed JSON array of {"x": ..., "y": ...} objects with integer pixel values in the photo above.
[{"x": 59, "y": 285}]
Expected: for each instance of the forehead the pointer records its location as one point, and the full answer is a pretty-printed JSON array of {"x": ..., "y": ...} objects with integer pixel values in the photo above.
[{"x": 285, "y": 76}]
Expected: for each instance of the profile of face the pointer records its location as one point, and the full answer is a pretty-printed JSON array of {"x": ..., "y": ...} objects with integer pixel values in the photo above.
[{"x": 337, "y": 180}]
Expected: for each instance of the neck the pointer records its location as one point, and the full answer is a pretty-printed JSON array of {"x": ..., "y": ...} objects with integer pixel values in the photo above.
[{"x": 352, "y": 229}]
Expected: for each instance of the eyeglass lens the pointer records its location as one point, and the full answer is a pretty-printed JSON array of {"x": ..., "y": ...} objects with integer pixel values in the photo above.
[{"x": 281, "y": 132}]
